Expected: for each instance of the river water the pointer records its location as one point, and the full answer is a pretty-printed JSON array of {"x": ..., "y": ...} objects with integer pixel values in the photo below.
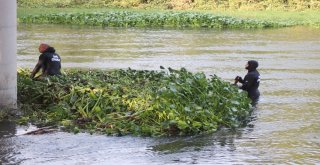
[{"x": 285, "y": 127}]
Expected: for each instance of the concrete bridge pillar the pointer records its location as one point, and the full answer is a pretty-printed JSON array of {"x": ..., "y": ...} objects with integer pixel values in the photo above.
[{"x": 8, "y": 54}]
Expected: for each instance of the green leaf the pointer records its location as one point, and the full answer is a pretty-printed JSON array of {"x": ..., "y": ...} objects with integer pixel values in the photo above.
[
  {"x": 182, "y": 125},
  {"x": 196, "y": 124},
  {"x": 187, "y": 109}
]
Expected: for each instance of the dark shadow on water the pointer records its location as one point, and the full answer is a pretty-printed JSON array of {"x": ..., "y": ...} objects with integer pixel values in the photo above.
[
  {"x": 224, "y": 137},
  {"x": 7, "y": 130},
  {"x": 221, "y": 138}
]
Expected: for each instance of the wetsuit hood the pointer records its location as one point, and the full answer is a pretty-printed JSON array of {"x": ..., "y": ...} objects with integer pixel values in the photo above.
[
  {"x": 252, "y": 65},
  {"x": 50, "y": 50}
]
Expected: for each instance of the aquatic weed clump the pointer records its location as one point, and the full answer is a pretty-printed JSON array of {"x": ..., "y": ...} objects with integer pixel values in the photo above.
[
  {"x": 155, "y": 19},
  {"x": 138, "y": 102}
]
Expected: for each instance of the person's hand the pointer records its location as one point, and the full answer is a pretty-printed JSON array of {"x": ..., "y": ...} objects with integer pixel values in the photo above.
[{"x": 237, "y": 79}]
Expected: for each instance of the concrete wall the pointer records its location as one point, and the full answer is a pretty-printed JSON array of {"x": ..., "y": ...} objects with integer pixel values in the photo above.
[{"x": 8, "y": 53}]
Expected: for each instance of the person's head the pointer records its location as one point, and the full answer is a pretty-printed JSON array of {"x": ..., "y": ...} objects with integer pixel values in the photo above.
[
  {"x": 43, "y": 47},
  {"x": 252, "y": 65}
]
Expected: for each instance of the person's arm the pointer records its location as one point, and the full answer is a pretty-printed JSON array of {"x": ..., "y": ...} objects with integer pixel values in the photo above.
[
  {"x": 248, "y": 82},
  {"x": 238, "y": 79},
  {"x": 36, "y": 69}
]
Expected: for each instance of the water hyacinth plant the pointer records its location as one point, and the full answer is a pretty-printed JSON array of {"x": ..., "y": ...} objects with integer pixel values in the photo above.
[
  {"x": 155, "y": 19},
  {"x": 137, "y": 102}
]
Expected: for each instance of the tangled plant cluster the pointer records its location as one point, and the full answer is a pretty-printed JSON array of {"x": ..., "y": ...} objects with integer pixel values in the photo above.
[{"x": 137, "y": 102}]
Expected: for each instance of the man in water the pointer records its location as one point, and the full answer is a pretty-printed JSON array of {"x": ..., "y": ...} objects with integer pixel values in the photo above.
[
  {"x": 49, "y": 62},
  {"x": 251, "y": 81}
]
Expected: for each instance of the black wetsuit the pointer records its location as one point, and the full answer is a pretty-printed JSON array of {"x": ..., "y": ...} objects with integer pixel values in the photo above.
[
  {"x": 51, "y": 62},
  {"x": 251, "y": 81}
]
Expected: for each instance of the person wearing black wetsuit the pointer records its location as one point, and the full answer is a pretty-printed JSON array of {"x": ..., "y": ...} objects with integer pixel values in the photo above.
[
  {"x": 49, "y": 61},
  {"x": 251, "y": 81}
]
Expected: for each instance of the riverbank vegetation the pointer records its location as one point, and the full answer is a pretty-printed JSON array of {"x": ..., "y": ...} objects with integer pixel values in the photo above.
[
  {"x": 169, "y": 18},
  {"x": 178, "y": 4},
  {"x": 172, "y": 13},
  {"x": 137, "y": 102},
  {"x": 155, "y": 19}
]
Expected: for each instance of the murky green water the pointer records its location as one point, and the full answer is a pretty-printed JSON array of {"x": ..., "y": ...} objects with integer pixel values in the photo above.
[{"x": 285, "y": 127}]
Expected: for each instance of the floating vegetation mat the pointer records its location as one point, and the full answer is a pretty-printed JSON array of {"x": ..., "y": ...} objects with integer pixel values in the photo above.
[
  {"x": 156, "y": 19},
  {"x": 137, "y": 102}
]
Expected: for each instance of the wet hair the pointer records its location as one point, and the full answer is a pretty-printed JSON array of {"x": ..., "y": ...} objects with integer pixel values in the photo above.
[{"x": 253, "y": 64}]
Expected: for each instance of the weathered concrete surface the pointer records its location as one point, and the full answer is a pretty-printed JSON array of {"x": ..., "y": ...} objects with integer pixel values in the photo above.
[{"x": 8, "y": 54}]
